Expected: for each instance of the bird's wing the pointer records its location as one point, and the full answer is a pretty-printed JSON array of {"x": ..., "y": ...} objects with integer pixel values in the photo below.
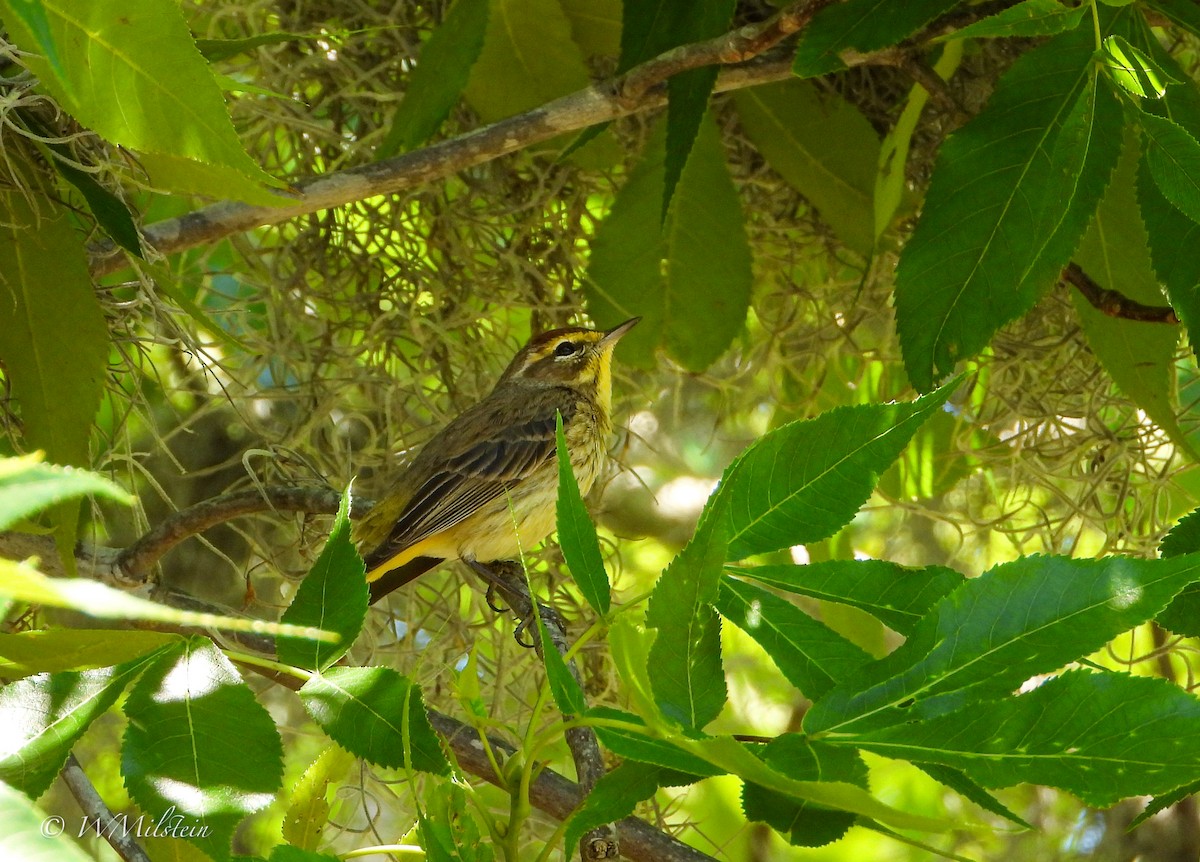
[{"x": 473, "y": 474}]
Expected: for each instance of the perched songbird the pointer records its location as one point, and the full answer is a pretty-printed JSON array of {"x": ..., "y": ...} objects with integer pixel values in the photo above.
[{"x": 485, "y": 486}]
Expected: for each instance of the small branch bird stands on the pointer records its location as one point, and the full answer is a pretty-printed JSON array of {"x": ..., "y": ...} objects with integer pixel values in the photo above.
[{"x": 485, "y": 486}]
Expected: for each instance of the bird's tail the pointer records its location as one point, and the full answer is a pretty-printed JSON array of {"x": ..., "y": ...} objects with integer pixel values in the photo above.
[{"x": 400, "y": 576}]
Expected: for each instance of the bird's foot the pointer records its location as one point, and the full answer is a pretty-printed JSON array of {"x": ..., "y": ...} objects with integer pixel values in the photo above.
[{"x": 505, "y": 578}]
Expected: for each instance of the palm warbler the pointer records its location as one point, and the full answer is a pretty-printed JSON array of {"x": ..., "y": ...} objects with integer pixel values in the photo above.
[{"x": 486, "y": 485}]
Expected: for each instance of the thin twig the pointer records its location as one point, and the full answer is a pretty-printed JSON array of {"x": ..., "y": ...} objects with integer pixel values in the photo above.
[
  {"x": 96, "y": 813},
  {"x": 1114, "y": 303},
  {"x": 136, "y": 561}
]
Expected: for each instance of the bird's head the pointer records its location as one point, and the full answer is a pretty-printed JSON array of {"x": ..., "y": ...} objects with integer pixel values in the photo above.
[{"x": 575, "y": 357}]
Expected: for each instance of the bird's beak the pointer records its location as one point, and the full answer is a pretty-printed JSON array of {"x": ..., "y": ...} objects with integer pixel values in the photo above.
[{"x": 613, "y": 335}]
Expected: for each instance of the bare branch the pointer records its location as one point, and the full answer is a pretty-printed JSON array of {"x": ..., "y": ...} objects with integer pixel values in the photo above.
[
  {"x": 138, "y": 559},
  {"x": 1114, "y": 303},
  {"x": 638, "y": 90},
  {"x": 96, "y": 812}
]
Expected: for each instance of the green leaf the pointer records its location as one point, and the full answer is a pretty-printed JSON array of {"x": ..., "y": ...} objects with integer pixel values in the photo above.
[
  {"x": 1173, "y": 157},
  {"x": 645, "y": 31},
  {"x": 181, "y": 175},
  {"x": 43, "y": 716},
  {"x": 689, "y": 279},
  {"x": 1184, "y": 537},
  {"x": 118, "y": 53},
  {"x": 687, "y": 103},
  {"x": 1164, "y": 801},
  {"x": 57, "y": 650},
  {"x": 860, "y": 25},
  {"x": 630, "y": 646},
  {"x": 438, "y": 78},
  {"x": 1030, "y": 18},
  {"x": 825, "y": 149},
  {"x": 994, "y": 632},
  {"x": 25, "y": 583},
  {"x": 110, "y": 211},
  {"x": 891, "y": 182},
  {"x": 24, "y": 835},
  {"x": 635, "y": 742},
  {"x": 596, "y": 28},
  {"x": 736, "y": 758},
  {"x": 199, "y": 742},
  {"x": 805, "y": 480},
  {"x": 1100, "y": 736},
  {"x": 577, "y": 534},
  {"x": 528, "y": 59},
  {"x": 617, "y": 793},
  {"x": 28, "y": 486},
  {"x": 438, "y": 844},
  {"x": 54, "y": 343},
  {"x": 1183, "y": 12},
  {"x": 568, "y": 694},
  {"x": 307, "y": 813},
  {"x": 686, "y": 672},
  {"x": 284, "y": 853},
  {"x": 1182, "y": 615},
  {"x": 688, "y": 92},
  {"x": 1168, "y": 231},
  {"x": 961, "y": 784},
  {"x": 215, "y": 50},
  {"x": 1133, "y": 70},
  {"x": 812, "y": 656},
  {"x": 377, "y": 714},
  {"x": 650, "y": 28},
  {"x": 333, "y": 596},
  {"x": 451, "y": 830},
  {"x": 1011, "y": 194},
  {"x": 934, "y": 462},
  {"x": 32, "y": 16},
  {"x": 1140, "y": 357},
  {"x": 801, "y": 823},
  {"x": 896, "y": 595}
]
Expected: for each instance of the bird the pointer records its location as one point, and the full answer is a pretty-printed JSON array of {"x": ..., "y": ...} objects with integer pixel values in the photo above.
[{"x": 484, "y": 487}]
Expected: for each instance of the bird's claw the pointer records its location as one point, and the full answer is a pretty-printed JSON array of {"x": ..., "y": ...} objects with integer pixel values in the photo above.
[
  {"x": 490, "y": 598},
  {"x": 521, "y": 630}
]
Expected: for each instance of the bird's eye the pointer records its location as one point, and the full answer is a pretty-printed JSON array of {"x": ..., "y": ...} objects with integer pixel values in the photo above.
[{"x": 565, "y": 348}]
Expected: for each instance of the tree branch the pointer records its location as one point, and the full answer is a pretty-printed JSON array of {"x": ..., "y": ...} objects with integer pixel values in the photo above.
[
  {"x": 96, "y": 812},
  {"x": 559, "y": 797},
  {"x": 744, "y": 53},
  {"x": 136, "y": 561},
  {"x": 1114, "y": 303},
  {"x": 640, "y": 89},
  {"x": 549, "y": 792}
]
